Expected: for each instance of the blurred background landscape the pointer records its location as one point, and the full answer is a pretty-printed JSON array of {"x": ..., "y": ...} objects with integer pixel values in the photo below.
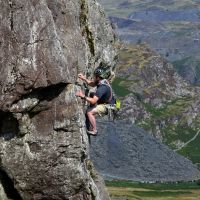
[
  {"x": 157, "y": 80},
  {"x": 171, "y": 28}
]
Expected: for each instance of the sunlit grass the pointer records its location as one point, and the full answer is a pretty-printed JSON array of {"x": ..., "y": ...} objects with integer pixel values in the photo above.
[{"x": 120, "y": 190}]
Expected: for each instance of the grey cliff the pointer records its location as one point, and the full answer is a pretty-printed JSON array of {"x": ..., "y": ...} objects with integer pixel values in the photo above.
[{"x": 44, "y": 44}]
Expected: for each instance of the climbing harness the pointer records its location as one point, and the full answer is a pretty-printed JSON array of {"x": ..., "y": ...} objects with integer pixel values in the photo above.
[{"x": 112, "y": 109}]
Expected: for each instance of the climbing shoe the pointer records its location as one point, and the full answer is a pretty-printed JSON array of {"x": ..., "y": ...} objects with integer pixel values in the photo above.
[{"x": 94, "y": 133}]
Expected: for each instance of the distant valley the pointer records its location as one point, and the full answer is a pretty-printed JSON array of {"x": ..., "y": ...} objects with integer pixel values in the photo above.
[
  {"x": 171, "y": 28},
  {"x": 158, "y": 92},
  {"x": 157, "y": 99}
]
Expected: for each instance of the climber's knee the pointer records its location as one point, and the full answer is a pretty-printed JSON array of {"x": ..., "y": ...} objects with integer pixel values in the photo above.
[
  {"x": 91, "y": 111},
  {"x": 99, "y": 109}
]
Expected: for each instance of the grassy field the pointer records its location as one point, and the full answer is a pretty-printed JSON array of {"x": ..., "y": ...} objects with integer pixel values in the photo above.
[{"x": 126, "y": 190}]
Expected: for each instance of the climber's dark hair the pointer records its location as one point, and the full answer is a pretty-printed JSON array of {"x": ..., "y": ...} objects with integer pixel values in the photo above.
[{"x": 103, "y": 71}]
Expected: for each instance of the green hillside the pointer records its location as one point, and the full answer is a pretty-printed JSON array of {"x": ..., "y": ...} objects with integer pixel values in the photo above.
[
  {"x": 147, "y": 78},
  {"x": 169, "y": 27}
]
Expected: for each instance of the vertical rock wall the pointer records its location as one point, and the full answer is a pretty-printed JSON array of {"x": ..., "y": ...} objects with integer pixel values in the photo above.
[{"x": 44, "y": 44}]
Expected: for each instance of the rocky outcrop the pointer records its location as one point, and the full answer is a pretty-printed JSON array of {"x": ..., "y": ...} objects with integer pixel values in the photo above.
[
  {"x": 124, "y": 151},
  {"x": 44, "y": 45},
  {"x": 158, "y": 99}
]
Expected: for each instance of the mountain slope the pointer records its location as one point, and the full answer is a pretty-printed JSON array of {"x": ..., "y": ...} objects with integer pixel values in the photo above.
[
  {"x": 156, "y": 98},
  {"x": 121, "y": 8},
  {"x": 171, "y": 28},
  {"x": 124, "y": 151}
]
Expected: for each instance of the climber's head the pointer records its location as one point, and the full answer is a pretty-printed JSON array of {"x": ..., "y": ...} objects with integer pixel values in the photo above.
[{"x": 102, "y": 72}]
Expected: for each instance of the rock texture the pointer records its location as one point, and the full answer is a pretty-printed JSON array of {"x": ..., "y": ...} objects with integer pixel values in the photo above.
[
  {"x": 124, "y": 151},
  {"x": 44, "y": 45}
]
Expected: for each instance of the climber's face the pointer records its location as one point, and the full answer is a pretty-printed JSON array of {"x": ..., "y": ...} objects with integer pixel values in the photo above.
[{"x": 96, "y": 79}]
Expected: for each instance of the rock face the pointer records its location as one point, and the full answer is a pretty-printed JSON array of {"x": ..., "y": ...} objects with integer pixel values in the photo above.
[
  {"x": 44, "y": 45},
  {"x": 124, "y": 151}
]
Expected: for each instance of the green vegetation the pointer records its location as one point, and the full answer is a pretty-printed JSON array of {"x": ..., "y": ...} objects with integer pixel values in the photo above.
[
  {"x": 172, "y": 117},
  {"x": 172, "y": 133},
  {"x": 159, "y": 191},
  {"x": 176, "y": 132},
  {"x": 192, "y": 150},
  {"x": 154, "y": 186},
  {"x": 118, "y": 87},
  {"x": 177, "y": 106}
]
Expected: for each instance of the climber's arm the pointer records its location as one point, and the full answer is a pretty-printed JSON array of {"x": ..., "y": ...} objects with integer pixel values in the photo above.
[
  {"x": 92, "y": 100},
  {"x": 89, "y": 82}
]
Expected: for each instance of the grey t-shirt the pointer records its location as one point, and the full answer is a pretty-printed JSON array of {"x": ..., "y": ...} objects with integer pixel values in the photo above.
[{"x": 104, "y": 93}]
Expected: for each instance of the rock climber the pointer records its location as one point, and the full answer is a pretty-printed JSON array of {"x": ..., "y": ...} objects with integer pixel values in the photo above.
[{"x": 99, "y": 100}]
